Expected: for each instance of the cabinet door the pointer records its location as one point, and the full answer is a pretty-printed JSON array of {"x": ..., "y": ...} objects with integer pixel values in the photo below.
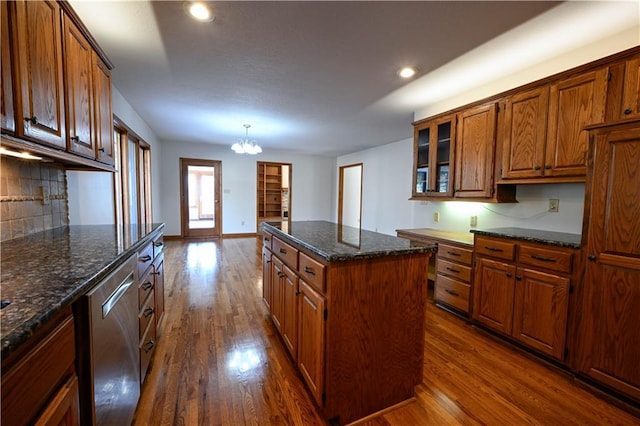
[
  {"x": 79, "y": 96},
  {"x": 64, "y": 408},
  {"x": 311, "y": 339},
  {"x": 277, "y": 292},
  {"x": 434, "y": 149},
  {"x": 493, "y": 294},
  {"x": 7, "y": 114},
  {"x": 474, "y": 165},
  {"x": 610, "y": 333},
  {"x": 574, "y": 103},
  {"x": 158, "y": 279},
  {"x": 40, "y": 104},
  {"x": 103, "y": 114},
  {"x": 290, "y": 319},
  {"x": 525, "y": 134},
  {"x": 631, "y": 90},
  {"x": 540, "y": 313},
  {"x": 266, "y": 278}
]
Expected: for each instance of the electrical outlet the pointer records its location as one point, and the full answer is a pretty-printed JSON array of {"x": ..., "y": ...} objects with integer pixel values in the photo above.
[
  {"x": 474, "y": 221},
  {"x": 242, "y": 223},
  {"x": 436, "y": 217},
  {"x": 554, "y": 205}
]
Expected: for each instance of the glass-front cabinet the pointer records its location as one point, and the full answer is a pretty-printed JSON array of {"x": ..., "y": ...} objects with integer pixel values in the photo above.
[{"x": 433, "y": 157}]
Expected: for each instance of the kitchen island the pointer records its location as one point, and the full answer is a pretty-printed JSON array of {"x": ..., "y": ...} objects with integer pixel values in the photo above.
[{"x": 349, "y": 305}]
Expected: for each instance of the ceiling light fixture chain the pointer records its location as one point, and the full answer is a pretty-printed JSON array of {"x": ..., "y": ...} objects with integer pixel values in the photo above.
[{"x": 246, "y": 145}]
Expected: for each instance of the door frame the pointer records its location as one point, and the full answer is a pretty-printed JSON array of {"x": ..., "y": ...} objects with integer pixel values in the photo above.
[
  {"x": 341, "y": 191},
  {"x": 216, "y": 232}
]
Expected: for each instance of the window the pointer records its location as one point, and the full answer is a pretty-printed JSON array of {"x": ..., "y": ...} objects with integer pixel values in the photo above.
[{"x": 132, "y": 179}]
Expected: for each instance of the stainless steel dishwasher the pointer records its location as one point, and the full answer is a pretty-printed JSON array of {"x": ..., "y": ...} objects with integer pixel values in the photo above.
[{"x": 110, "y": 359}]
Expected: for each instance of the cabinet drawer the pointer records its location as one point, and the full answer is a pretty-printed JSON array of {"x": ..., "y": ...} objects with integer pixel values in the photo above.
[
  {"x": 284, "y": 251},
  {"x": 158, "y": 246},
  {"x": 455, "y": 253},
  {"x": 145, "y": 287},
  {"x": 28, "y": 385},
  {"x": 147, "y": 348},
  {"x": 548, "y": 258},
  {"x": 452, "y": 292},
  {"x": 455, "y": 270},
  {"x": 312, "y": 272},
  {"x": 145, "y": 257},
  {"x": 494, "y": 248},
  {"x": 266, "y": 239},
  {"x": 146, "y": 316}
]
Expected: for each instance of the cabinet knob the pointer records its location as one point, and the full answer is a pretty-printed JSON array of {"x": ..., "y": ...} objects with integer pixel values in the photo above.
[
  {"x": 547, "y": 166},
  {"x": 297, "y": 292},
  {"x": 75, "y": 138},
  {"x": 536, "y": 167},
  {"x": 147, "y": 286},
  {"x": 518, "y": 277},
  {"x": 101, "y": 149},
  {"x": 148, "y": 312},
  {"x": 32, "y": 120},
  {"x": 149, "y": 345},
  {"x": 509, "y": 275},
  {"x": 628, "y": 111},
  {"x": 592, "y": 257}
]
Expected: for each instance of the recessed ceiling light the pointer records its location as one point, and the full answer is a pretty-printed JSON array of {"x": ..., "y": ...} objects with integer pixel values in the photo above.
[
  {"x": 200, "y": 11},
  {"x": 407, "y": 72}
]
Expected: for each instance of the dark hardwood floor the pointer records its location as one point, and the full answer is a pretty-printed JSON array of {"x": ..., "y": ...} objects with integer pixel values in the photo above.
[{"x": 219, "y": 361}]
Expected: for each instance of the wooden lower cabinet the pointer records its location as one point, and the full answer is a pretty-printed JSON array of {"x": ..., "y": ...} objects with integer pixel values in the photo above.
[
  {"x": 39, "y": 382},
  {"x": 289, "y": 326},
  {"x": 266, "y": 277},
  {"x": 540, "y": 311},
  {"x": 527, "y": 303},
  {"x": 64, "y": 408},
  {"x": 277, "y": 292},
  {"x": 494, "y": 292},
  {"x": 609, "y": 332},
  {"x": 311, "y": 339}
]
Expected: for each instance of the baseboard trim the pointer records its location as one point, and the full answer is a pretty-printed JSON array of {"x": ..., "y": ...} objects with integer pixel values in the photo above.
[{"x": 244, "y": 235}]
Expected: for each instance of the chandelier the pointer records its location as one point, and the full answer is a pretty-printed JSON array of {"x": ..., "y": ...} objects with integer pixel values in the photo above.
[{"x": 246, "y": 146}]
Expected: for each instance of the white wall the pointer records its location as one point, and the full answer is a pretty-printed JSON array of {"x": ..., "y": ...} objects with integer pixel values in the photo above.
[
  {"x": 312, "y": 186},
  {"x": 91, "y": 193},
  {"x": 386, "y": 184}
]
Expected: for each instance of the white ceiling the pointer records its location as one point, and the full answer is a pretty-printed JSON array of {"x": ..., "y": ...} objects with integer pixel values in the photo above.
[{"x": 310, "y": 77}]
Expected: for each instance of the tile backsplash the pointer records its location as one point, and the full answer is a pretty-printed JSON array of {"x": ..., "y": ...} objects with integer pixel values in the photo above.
[{"x": 33, "y": 197}]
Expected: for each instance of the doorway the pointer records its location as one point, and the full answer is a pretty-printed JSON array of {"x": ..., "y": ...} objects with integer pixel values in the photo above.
[
  {"x": 274, "y": 185},
  {"x": 200, "y": 190},
  {"x": 350, "y": 196}
]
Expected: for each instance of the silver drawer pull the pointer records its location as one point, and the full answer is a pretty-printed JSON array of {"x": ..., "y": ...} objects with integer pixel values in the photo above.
[
  {"x": 309, "y": 271},
  {"x": 145, "y": 258},
  {"x": 453, "y": 270},
  {"x": 493, "y": 249},
  {"x": 453, "y": 293},
  {"x": 453, "y": 253}
]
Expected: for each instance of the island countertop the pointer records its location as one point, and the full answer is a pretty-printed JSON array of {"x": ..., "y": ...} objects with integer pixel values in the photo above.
[
  {"x": 334, "y": 242},
  {"x": 42, "y": 273}
]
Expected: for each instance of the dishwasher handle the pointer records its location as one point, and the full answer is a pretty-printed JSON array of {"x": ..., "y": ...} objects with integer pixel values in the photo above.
[{"x": 113, "y": 299}]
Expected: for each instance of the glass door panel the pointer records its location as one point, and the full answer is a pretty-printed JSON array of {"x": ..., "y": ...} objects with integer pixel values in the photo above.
[
  {"x": 200, "y": 198},
  {"x": 422, "y": 180}
]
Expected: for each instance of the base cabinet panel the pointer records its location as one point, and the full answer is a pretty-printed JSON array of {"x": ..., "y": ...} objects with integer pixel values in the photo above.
[
  {"x": 311, "y": 339},
  {"x": 540, "y": 314},
  {"x": 494, "y": 293}
]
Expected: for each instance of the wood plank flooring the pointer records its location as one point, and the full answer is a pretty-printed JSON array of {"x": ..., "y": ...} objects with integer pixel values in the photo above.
[{"x": 219, "y": 361}]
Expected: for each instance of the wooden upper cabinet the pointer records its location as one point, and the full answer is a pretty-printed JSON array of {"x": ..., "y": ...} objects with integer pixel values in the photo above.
[
  {"x": 574, "y": 103},
  {"x": 475, "y": 150},
  {"x": 39, "y": 87},
  {"x": 631, "y": 90},
  {"x": 7, "y": 117},
  {"x": 434, "y": 148},
  {"x": 103, "y": 113},
  {"x": 525, "y": 134},
  {"x": 78, "y": 75}
]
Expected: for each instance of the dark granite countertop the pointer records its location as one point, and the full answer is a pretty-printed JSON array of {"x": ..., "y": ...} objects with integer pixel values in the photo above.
[
  {"x": 339, "y": 243},
  {"x": 560, "y": 239},
  {"x": 43, "y": 273}
]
